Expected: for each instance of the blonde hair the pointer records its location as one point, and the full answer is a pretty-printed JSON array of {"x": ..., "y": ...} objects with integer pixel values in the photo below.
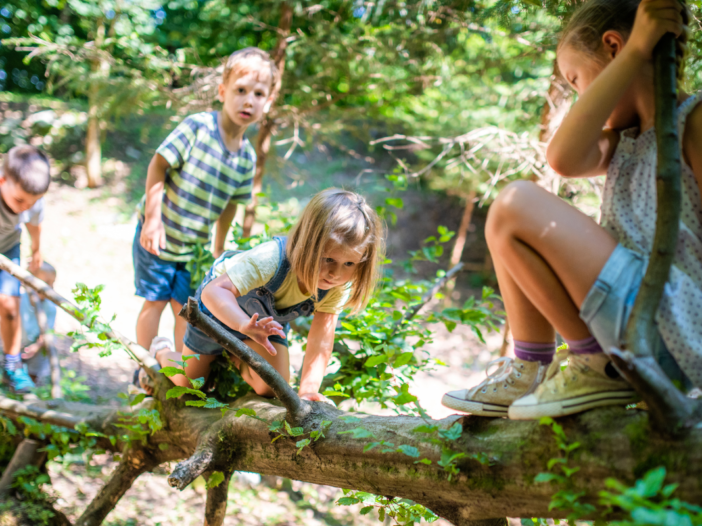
[
  {"x": 240, "y": 61},
  {"x": 587, "y": 25},
  {"x": 344, "y": 217}
]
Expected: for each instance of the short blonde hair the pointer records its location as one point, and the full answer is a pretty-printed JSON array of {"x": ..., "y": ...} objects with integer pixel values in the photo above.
[
  {"x": 344, "y": 217},
  {"x": 240, "y": 62}
]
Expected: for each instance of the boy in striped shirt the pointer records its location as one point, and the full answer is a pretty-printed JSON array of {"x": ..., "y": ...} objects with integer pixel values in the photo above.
[{"x": 197, "y": 177}]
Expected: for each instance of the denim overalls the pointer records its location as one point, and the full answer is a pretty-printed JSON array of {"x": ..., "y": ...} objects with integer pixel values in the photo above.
[{"x": 258, "y": 300}]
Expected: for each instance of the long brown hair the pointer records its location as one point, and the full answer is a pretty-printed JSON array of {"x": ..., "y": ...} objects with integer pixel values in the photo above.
[
  {"x": 344, "y": 217},
  {"x": 587, "y": 25}
]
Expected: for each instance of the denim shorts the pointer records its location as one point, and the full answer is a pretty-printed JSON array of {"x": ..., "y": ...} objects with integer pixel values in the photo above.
[
  {"x": 10, "y": 286},
  {"x": 156, "y": 279},
  {"x": 607, "y": 307}
]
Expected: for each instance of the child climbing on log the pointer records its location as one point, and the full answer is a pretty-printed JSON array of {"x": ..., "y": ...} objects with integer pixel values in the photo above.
[
  {"x": 328, "y": 263},
  {"x": 557, "y": 268},
  {"x": 24, "y": 180},
  {"x": 197, "y": 177}
]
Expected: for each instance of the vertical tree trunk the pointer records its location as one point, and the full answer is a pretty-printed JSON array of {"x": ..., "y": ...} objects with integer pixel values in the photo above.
[
  {"x": 263, "y": 142},
  {"x": 93, "y": 149},
  {"x": 460, "y": 243}
]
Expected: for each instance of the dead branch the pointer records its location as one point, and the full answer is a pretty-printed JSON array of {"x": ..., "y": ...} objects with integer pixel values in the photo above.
[
  {"x": 136, "y": 351},
  {"x": 216, "y": 506},
  {"x": 297, "y": 408}
]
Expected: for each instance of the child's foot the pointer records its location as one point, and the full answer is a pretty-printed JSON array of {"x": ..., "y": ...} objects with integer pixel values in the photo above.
[
  {"x": 514, "y": 379},
  {"x": 588, "y": 381},
  {"x": 141, "y": 379},
  {"x": 19, "y": 380}
]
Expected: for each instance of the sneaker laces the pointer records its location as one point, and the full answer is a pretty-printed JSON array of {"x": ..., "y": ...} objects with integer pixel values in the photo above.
[{"x": 501, "y": 373}]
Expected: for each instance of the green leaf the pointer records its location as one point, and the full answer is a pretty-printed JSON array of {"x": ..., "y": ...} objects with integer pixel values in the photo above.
[
  {"x": 396, "y": 202},
  {"x": 376, "y": 360},
  {"x": 293, "y": 431},
  {"x": 138, "y": 399},
  {"x": 301, "y": 444},
  {"x": 381, "y": 514},
  {"x": 177, "y": 391},
  {"x": 425, "y": 429},
  {"x": 349, "y": 419},
  {"x": 329, "y": 392},
  {"x": 405, "y": 398},
  {"x": 410, "y": 451},
  {"x": 244, "y": 411},
  {"x": 536, "y": 3},
  {"x": 548, "y": 477},
  {"x": 453, "y": 433},
  {"x": 403, "y": 359},
  {"x": 196, "y": 403},
  {"x": 215, "y": 479},
  {"x": 358, "y": 432},
  {"x": 366, "y": 510},
  {"x": 197, "y": 383},
  {"x": 348, "y": 501},
  {"x": 423, "y": 461}
]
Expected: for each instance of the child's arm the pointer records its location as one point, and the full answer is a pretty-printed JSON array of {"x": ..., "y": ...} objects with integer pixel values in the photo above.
[
  {"x": 320, "y": 343},
  {"x": 35, "y": 234},
  {"x": 219, "y": 296},
  {"x": 580, "y": 147},
  {"x": 223, "y": 224},
  {"x": 153, "y": 235}
]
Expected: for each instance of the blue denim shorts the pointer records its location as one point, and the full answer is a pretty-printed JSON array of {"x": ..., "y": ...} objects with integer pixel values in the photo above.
[
  {"x": 607, "y": 307},
  {"x": 8, "y": 285},
  {"x": 156, "y": 279}
]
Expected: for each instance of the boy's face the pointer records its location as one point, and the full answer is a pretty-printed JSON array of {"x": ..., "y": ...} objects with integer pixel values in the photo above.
[
  {"x": 245, "y": 96},
  {"x": 15, "y": 197}
]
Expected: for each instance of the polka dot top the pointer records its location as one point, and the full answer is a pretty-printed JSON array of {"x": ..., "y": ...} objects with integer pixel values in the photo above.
[{"x": 629, "y": 214}]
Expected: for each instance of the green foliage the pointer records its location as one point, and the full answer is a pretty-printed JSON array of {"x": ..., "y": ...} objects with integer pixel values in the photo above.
[
  {"x": 215, "y": 479},
  {"x": 33, "y": 503},
  {"x": 200, "y": 263},
  {"x": 94, "y": 333},
  {"x": 561, "y": 473},
  {"x": 650, "y": 503},
  {"x": 393, "y": 509},
  {"x": 72, "y": 386}
]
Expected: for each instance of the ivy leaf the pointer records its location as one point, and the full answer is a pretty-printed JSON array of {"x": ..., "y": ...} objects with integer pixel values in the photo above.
[
  {"x": 215, "y": 479},
  {"x": 410, "y": 451}
]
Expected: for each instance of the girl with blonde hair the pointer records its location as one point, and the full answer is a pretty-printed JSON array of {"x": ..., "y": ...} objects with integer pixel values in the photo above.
[
  {"x": 559, "y": 270},
  {"x": 328, "y": 263}
]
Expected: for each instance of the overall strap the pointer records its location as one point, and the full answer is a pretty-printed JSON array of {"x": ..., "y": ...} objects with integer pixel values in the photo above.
[{"x": 283, "y": 265}]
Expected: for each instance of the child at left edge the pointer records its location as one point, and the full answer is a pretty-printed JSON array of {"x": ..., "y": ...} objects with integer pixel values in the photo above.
[
  {"x": 24, "y": 180},
  {"x": 196, "y": 178}
]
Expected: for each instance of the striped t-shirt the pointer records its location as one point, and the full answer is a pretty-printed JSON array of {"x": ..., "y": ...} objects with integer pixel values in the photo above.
[{"x": 203, "y": 178}]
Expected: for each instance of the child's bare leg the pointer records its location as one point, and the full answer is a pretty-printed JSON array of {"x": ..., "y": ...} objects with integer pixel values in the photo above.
[
  {"x": 10, "y": 324},
  {"x": 548, "y": 255},
  {"x": 180, "y": 325},
  {"x": 281, "y": 363},
  {"x": 148, "y": 321}
]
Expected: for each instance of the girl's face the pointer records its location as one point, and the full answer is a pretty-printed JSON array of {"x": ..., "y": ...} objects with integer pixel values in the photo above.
[
  {"x": 581, "y": 68},
  {"x": 339, "y": 264}
]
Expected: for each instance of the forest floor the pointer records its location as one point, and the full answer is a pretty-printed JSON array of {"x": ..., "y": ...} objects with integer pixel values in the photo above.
[{"x": 88, "y": 237}]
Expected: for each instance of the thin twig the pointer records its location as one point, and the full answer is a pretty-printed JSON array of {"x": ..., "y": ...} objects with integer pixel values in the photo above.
[{"x": 297, "y": 408}]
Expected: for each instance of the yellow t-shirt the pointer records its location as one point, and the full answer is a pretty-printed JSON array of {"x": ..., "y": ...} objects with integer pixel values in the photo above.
[{"x": 254, "y": 268}]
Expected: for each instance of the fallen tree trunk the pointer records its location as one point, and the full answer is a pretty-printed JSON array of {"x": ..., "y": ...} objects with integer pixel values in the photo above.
[{"x": 615, "y": 442}]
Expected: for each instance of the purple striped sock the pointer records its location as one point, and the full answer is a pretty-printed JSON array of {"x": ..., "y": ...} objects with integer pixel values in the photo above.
[
  {"x": 535, "y": 352},
  {"x": 586, "y": 346}
]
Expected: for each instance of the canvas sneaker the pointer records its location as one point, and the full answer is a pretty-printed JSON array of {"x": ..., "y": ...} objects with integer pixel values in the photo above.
[
  {"x": 512, "y": 379},
  {"x": 19, "y": 380},
  {"x": 587, "y": 381}
]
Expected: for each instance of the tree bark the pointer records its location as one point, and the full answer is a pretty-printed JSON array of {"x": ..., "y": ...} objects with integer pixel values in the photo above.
[
  {"x": 26, "y": 454},
  {"x": 93, "y": 148},
  {"x": 616, "y": 443},
  {"x": 266, "y": 129},
  {"x": 460, "y": 243}
]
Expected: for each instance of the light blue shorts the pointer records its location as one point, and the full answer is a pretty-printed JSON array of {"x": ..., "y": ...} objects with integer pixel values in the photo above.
[{"x": 607, "y": 307}]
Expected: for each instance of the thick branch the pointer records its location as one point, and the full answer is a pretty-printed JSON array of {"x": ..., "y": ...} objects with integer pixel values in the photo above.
[
  {"x": 297, "y": 408},
  {"x": 670, "y": 409},
  {"x": 188, "y": 470},
  {"x": 133, "y": 464},
  {"x": 27, "y": 453},
  {"x": 140, "y": 355},
  {"x": 15, "y": 408},
  {"x": 216, "y": 507}
]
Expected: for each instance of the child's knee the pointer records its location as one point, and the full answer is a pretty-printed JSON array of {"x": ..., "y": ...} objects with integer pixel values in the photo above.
[
  {"x": 509, "y": 208},
  {"x": 262, "y": 389},
  {"x": 154, "y": 306},
  {"x": 9, "y": 307}
]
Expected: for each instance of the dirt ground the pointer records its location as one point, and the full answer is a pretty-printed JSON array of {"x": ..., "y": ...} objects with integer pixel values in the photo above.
[{"x": 88, "y": 238}]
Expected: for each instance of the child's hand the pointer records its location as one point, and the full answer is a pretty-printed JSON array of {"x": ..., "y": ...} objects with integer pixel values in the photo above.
[
  {"x": 260, "y": 330},
  {"x": 654, "y": 19},
  {"x": 35, "y": 262},
  {"x": 153, "y": 236},
  {"x": 316, "y": 397},
  {"x": 32, "y": 349}
]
